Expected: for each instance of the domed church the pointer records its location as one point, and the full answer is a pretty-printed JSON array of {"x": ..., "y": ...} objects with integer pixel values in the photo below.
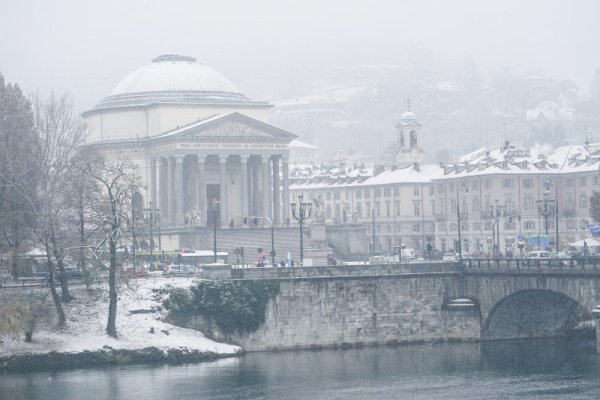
[{"x": 204, "y": 149}]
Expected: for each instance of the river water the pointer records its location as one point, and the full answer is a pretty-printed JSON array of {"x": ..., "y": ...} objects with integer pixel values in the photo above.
[{"x": 540, "y": 369}]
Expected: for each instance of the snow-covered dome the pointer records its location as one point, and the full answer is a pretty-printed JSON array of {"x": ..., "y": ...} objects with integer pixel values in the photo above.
[
  {"x": 408, "y": 115},
  {"x": 173, "y": 78}
]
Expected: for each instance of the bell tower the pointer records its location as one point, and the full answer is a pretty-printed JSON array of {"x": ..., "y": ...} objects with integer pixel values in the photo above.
[{"x": 408, "y": 134}]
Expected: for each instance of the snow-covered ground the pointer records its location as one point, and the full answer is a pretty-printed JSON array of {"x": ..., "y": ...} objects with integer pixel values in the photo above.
[{"x": 87, "y": 316}]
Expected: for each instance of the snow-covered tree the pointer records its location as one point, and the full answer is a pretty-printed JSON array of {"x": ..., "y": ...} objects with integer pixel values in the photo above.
[{"x": 119, "y": 181}]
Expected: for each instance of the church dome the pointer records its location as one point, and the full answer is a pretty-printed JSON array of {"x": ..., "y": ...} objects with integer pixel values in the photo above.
[
  {"x": 173, "y": 79},
  {"x": 408, "y": 115}
]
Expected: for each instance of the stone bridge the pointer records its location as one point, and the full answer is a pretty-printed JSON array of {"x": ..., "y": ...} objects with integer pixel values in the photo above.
[{"x": 395, "y": 303}]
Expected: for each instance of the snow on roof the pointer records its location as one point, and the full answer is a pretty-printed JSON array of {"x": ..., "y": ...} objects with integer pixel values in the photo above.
[{"x": 298, "y": 144}]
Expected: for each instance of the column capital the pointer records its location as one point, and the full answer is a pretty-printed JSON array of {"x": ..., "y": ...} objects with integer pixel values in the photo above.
[
  {"x": 170, "y": 160},
  {"x": 223, "y": 158},
  {"x": 201, "y": 157},
  {"x": 179, "y": 158},
  {"x": 244, "y": 158}
]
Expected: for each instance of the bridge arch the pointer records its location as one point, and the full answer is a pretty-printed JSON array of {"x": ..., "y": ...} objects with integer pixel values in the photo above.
[{"x": 533, "y": 313}]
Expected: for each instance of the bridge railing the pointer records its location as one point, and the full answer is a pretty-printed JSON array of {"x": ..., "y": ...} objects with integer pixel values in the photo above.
[{"x": 582, "y": 264}]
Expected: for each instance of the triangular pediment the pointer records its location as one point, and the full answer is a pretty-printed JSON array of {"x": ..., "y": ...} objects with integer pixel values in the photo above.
[{"x": 230, "y": 127}]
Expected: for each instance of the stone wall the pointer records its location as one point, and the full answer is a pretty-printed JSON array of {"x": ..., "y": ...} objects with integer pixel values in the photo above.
[{"x": 344, "y": 311}]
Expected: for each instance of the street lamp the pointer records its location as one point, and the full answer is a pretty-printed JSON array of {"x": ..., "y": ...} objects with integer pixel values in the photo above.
[
  {"x": 301, "y": 212},
  {"x": 215, "y": 210},
  {"x": 547, "y": 185},
  {"x": 151, "y": 215},
  {"x": 546, "y": 207},
  {"x": 255, "y": 220},
  {"x": 496, "y": 213},
  {"x": 465, "y": 186}
]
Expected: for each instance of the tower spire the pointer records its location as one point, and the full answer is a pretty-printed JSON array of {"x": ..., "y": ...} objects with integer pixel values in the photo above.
[{"x": 408, "y": 104}]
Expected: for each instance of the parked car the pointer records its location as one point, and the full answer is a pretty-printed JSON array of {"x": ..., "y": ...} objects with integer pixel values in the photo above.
[
  {"x": 561, "y": 259},
  {"x": 130, "y": 271},
  {"x": 536, "y": 255},
  {"x": 181, "y": 270},
  {"x": 4, "y": 277},
  {"x": 449, "y": 256}
]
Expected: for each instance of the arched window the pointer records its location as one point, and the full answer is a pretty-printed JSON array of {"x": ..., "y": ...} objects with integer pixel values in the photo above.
[
  {"x": 413, "y": 139},
  {"x": 401, "y": 138}
]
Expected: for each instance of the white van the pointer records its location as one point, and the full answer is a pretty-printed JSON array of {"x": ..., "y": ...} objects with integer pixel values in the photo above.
[{"x": 538, "y": 254}]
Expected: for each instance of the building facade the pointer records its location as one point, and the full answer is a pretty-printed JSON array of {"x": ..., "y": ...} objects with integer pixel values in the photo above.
[{"x": 205, "y": 151}]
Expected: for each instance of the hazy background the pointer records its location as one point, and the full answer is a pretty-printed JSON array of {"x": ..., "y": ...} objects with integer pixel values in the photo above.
[{"x": 463, "y": 63}]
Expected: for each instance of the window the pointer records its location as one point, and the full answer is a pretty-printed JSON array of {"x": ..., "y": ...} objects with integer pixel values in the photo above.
[
  {"x": 417, "y": 206},
  {"x": 432, "y": 207},
  {"x": 416, "y": 228},
  {"x": 487, "y": 184},
  {"x": 337, "y": 195},
  {"x": 367, "y": 193},
  {"x": 387, "y": 209},
  {"x": 583, "y": 202},
  {"x": 452, "y": 206},
  {"x": 528, "y": 202},
  {"x": 377, "y": 209},
  {"x": 387, "y": 192},
  {"x": 569, "y": 182},
  {"x": 368, "y": 208},
  {"x": 358, "y": 194},
  {"x": 358, "y": 210},
  {"x": 431, "y": 190},
  {"x": 475, "y": 204},
  {"x": 583, "y": 181},
  {"x": 416, "y": 191},
  {"x": 451, "y": 187},
  {"x": 476, "y": 226},
  {"x": 452, "y": 226},
  {"x": 570, "y": 201},
  {"x": 328, "y": 212},
  {"x": 509, "y": 224},
  {"x": 396, "y": 191},
  {"x": 508, "y": 202},
  {"x": 528, "y": 183},
  {"x": 529, "y": 225},
  {"x": 378, "y": 192},
  {"x": 397, "y": 206},
  {"x": 440, "y": 188},
  {"x": 475, "y": 185},
  {"x": 508, "y": 183},
  {"x": 328, "y": 196}
]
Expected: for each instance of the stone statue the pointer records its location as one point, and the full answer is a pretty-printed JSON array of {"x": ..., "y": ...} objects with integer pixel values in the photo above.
[{"x": 318, "y": 210}]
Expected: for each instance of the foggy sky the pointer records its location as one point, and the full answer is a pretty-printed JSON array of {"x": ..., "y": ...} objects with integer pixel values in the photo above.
[{"x": 86, "y": 47}]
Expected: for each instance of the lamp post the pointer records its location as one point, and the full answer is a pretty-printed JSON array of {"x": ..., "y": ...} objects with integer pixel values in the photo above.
[
  {"x": 255, "y": 220},
  {"x": 546, "y": 207},
  {"x": 151, "y": 215},
  {"x": 215, "y": 210},
  {"x": 547, "y": 185},
  {"x": 496, "y": 213},
  {"x": 465, "y": 186},
  {"x": 301, "y": 212}
]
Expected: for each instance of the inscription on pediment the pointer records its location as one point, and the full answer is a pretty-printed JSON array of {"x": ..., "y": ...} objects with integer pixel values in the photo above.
[{"x": 233, "y": 129}]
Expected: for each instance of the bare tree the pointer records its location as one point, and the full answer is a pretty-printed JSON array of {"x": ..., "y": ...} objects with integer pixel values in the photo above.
[
  {"x": 61, "y": 132},
  {"x": 118, "y": 180}
]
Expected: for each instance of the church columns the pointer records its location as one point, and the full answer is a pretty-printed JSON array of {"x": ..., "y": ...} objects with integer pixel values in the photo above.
[
  {"x": 244, "y": 188},
  {"x": 286, "y": 190},
  {"x": 276, "y": 192},
  {"x": 223, "y": 189},
  {"x": 179, "y": 189},
  {"x": 153, "y": 184},
  {"x": 170, "y": 191},
  {"x": 201, "y": 188},
  {"x": 266, "y": 187}
]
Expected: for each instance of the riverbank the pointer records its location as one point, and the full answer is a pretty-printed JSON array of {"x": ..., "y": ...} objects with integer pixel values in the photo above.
[{"x": 143, "y": 336}]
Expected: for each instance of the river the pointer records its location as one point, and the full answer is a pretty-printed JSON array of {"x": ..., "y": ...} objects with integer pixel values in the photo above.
[{"x": 536, "y": 369}]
